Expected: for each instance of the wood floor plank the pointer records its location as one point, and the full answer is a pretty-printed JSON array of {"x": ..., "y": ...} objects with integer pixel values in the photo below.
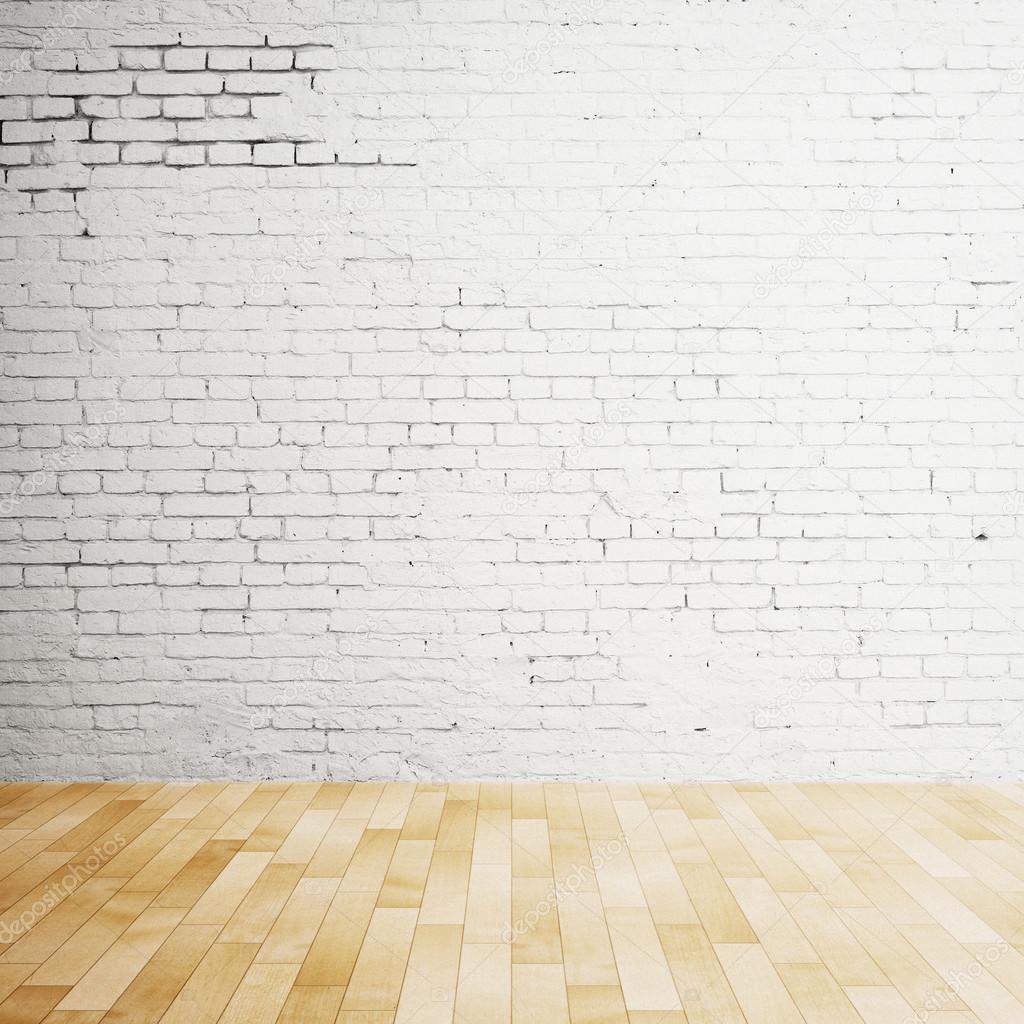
[
  {"x": 245, "y": 818},
  {"x": 301, "y": 843},
  {"x": 644, "y": 973},
  {"x": 702, "y": 985},
  {"x": 115, "y": 970},
  {"x": 447, "y": 887},
  {"x": 192, "y": 881},
  {"x": 983, "y": 994},
  {"x": 370, "y": 861},
  {"x": 880, "y": 1005},
  {"x": 457, "y": 827},
  {"x": 718, "y": 910},
  {"x": 261, "y": 905},
  {"x": 392, "y": 807},
  {"x": 586, "y": 947},
  {"x": 336, "y": 849},
  {"x": 220, "y": 809},
  {"x": 758, "y": 987},
  {"x": 836, "y": 946},
  {"x": 295, "y": 929},
  {"x": 68, "y": 964},
  {"x": 156, "y": 985},
  {"x": 776, "y": 930},
  {"x": 37, "y": 938},
  {"x": 905, "y": 968},
  {"x": 429, "y": 988},
  {"x": 407, "y": 873},
  {"x": 261, "y": 994},
  {"x": 29, "y": 1004},
  {"x": 161, "y": 870},
  {"x": 208, "y": 990},
  {"x": 531, "y": 848},
  {"x": 511, "y": 903},
  {"x": 272, "y": 831},
  {"x": 424, "y": 816},
  {"x": 226, "y": 892},
  {"x": 596, "y": 1005},
  {"x": 312, "y": 1004},
  {"x": 536, "y": 938},
  {"x": 484, "y": 989},
  {"x": 817, "y": 994},
  {"x": 376, "y": 981},
  {"x": 663, "y": 889},
  {"x": 489, "y": 904},
  {"x": 333, "y": 953},
  {"x": 539, "y": 994},
  {"x": 11, "y": 976}
]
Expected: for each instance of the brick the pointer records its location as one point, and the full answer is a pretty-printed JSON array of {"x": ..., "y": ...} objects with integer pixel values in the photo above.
[
  {"x": 184, "y": 106},
  {"x": 98, "y": 153},
  {"x": 272, "y": 59},
  {"x": 155, "y": 83},
  {"x": 142, "y": 153},
  {"x": 307, "y": 58},
  {"x": 314, "y": 153},
  {"x": 13, "y": 155},
  {"x": 49, "y": 107},
  {"x": 100, "y": 84},
  {"x": 96, "y": 60},
  {"x": 16, "y": 108},
  {"x": 27, "y": 131},
  {"x": 265, "y": 84},
  {"x": 130, "y": 130},
  {"x": 229, "y": 59},
  {"x": 139, "y": 58},
  {"x": 181, "y": 58},
  {"x": 280, "y": 154},
  {"x": 185, "y": 155},
  {"x": 139, "y": 107},
  {"x": 228, "y": 106},
  {"x": 100, "y": 106},
  {"x": 230, "y": 153}
]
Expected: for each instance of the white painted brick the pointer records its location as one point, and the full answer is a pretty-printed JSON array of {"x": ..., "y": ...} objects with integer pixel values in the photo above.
[
  {"x": 508, "y": 418},
  {"x": 274, "y": 153},
  {"x": 184, "y": 106},
  {"x": 185, "y": 155},
  {"x": 102, "y": 84},
  {"x": 230, "y": 153},
  {"x": 185, "y": 59},
  {"x": 189, "y": 84},
  {"x": 273, "y": 59}
]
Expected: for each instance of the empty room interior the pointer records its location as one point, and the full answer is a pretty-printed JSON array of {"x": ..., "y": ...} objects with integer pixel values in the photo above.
[{"x": 511, "y": 512}]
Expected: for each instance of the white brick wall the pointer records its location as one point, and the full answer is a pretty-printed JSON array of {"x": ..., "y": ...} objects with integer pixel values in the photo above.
[{"x": 463, "y": 388}]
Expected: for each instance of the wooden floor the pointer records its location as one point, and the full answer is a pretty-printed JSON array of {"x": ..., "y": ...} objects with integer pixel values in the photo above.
[{"x": 310, "y": 903}]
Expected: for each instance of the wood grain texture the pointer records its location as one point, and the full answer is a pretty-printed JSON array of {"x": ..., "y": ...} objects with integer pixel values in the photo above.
[{"x": 498, "y": 903}]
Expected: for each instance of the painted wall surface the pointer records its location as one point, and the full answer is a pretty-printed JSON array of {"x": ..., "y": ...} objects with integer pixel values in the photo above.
[{"x": 444, "y": 389}]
